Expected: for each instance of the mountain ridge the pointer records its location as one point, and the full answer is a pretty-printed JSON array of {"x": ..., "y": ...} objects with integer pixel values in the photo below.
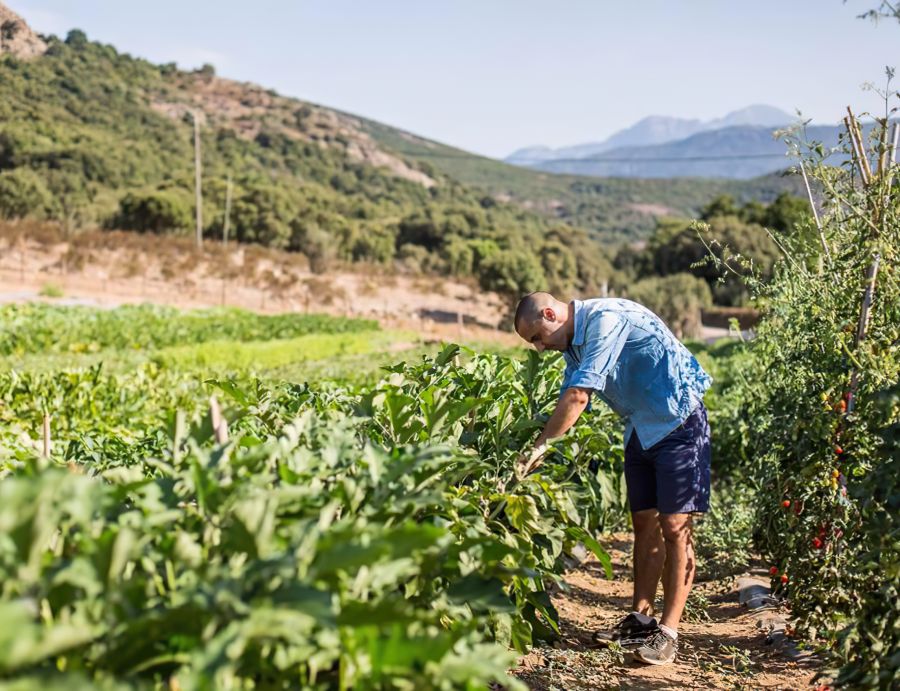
[{"x": 651, "y": 130}]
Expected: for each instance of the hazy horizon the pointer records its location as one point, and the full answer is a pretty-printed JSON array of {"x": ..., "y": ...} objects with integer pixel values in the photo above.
[{"x": 496, "y": 78}]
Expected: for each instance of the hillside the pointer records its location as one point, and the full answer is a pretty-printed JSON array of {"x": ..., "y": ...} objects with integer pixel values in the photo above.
[{"x": 94, "y": 137}]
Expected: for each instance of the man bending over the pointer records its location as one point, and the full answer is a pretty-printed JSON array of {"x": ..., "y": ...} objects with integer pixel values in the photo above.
[{"x": 625, "y": 354}]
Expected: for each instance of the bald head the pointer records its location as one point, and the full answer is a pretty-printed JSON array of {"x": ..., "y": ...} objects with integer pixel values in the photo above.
[
  {"x": 531, "y": 307},
  {"x": 541, "y": 320}
]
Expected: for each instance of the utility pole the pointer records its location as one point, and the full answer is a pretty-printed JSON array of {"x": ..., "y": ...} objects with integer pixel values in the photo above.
[
  {"x": 198, "y": 193},
  {"x": 227, "y": 211}
]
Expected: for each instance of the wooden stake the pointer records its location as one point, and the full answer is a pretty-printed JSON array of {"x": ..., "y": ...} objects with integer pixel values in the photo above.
[
  {"x": 867, "y": 300},
  {"x": 871, "y": 275},
  {"x": 859, "y": 145},
  {"x": 858, "y": 149},
  {"x": 895, "y": 140},
  {"x": 883, "y": 148},
  {"x": 198, "y": 192},
  {"x": 46, "y": 431},
  {"x": 812, "y": 205}
]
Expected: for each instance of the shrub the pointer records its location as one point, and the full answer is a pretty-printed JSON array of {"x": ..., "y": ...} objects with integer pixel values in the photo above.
[
  {"x": 51, "y": 290},
  {"x": 23, "y": 193},
  {"x": 678, "y": 299},
  {"x": 159, "y": 211}
]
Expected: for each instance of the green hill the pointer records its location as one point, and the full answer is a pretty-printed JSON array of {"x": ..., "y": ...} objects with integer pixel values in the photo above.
[{"x": 91, "y": 136}]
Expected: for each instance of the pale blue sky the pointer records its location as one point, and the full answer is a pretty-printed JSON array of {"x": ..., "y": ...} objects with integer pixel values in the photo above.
[{"x": 494, "y": 75}]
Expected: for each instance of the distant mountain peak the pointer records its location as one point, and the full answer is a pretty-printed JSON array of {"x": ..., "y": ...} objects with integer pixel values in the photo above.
[
  {"x": 757, "y": 115},
  {"x": 17, "y": 38},
  {"x": 656, "y": 129}
]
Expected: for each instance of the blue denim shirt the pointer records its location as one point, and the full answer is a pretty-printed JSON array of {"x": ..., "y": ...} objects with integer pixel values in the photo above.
[{"x": 630, "y": 359}]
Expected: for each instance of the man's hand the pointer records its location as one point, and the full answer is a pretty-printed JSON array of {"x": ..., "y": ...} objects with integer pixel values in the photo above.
[
  {"x": 527, "y": 463},
  {"x": 570, "y": 405}
]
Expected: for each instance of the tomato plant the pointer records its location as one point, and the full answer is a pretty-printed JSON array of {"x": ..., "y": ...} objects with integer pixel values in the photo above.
[{"x": 837, "y": 463}]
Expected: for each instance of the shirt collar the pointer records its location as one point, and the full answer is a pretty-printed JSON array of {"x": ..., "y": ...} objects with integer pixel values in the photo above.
[{"x": 578, "y": 314}]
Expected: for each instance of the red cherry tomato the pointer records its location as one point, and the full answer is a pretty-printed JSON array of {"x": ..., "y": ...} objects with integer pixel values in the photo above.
[
  {"x": 817, "y": 543},
  {"x": 786, "y": 503},
  {"x": 838, "y": 450},
  {"x": 784, "y": 578},
  {"x": 773, "y": 570}
]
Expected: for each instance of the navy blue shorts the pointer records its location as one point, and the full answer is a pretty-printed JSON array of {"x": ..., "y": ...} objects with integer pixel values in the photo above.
[{"x": 672, "y": 476}]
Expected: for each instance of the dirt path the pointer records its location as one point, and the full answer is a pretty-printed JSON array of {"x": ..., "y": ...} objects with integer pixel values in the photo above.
[{"x": 726, "y": 652}]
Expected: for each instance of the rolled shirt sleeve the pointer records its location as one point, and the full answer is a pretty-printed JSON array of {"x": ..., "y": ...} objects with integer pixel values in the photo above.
[{"x": 605, "y": 336}]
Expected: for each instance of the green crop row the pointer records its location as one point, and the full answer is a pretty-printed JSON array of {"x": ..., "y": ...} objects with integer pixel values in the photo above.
[
  {"x": 338, "y": 540},
  {"x": 39, "y": 328}
]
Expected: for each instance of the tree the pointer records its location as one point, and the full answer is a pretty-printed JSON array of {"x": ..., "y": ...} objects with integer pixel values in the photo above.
[
  {"x": 23, "y": 193},
  {"x": 723, "y": 205},
  {"x": 559, "y": 267},
  {"x": 786, "y": 213},
  {"x": 263, "y": 214},
  {"x": 76, "y": 38},
  {"x": 373, "y": 244},
  {"x": 318, "y": 245},
  {"x": 512, "y": 273},
  {"x": 678, "y": 299},
  {"x": 159, "y": 211},
  {"x": 677, "y": 247}
]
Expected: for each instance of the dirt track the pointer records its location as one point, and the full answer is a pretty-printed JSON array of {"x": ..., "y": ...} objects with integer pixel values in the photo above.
[{"x": 727, "y": 652}]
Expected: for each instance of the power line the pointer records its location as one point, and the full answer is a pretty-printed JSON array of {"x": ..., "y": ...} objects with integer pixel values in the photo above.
[
  {"x": 582, "y": 161},
  {"x": 651, "y": 159}
]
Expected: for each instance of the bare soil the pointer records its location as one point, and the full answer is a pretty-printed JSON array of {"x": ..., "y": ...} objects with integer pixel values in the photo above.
[
  {"x": 726, "y": 652},
  {"x": 107, "y": 269}
]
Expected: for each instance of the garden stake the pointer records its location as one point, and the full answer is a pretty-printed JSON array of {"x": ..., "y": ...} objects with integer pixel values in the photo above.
[
  {"x": 859, "y": 144},
  {"x": 812, "y": 205},
  {"x": 872, "y": 273},
  {"x": 858, "y": 151}
]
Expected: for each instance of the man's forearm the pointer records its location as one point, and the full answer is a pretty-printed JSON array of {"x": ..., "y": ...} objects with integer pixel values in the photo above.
[{"x": 569, "y": 407}]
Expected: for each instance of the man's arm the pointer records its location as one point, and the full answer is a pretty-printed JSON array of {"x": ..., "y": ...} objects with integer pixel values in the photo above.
[
  {"x": 569, "y": 407},
  {"x": 606, "y": 336}
]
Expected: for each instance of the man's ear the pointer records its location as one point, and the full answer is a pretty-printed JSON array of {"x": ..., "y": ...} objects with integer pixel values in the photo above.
[{"x": 548, "y": 314}]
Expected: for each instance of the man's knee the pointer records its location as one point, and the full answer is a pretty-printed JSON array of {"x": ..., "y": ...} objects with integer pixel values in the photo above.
[
  {"x": 676, "y": 528},
  {"x": 645, "y": 522}
]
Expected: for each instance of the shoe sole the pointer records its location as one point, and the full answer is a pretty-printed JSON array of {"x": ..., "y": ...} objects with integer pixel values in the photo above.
[
  {"x": 652, "y": 662},
  {"x": 606, "y": 642}
]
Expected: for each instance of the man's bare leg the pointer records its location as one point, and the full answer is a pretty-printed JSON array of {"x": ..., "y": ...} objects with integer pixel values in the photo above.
[
  {"x": 678, "y": 575},
  {"x": 649, "y": 557}
]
